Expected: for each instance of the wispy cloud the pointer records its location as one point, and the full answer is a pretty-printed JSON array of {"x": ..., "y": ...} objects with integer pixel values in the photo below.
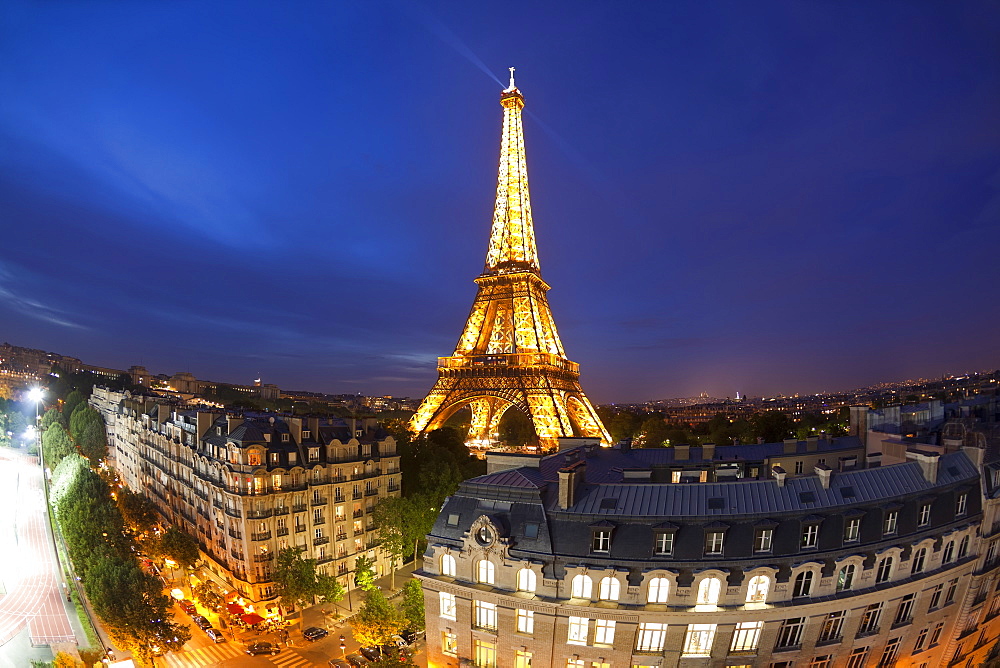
[{"x": 29, "y": 306}]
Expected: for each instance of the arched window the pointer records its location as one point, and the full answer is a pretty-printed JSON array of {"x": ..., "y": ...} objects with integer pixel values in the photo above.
[
  {"x": 709, "y": 590},
  {"x": 448, "y": 565},
  {"x": 526, "y": 579},
  {"x": 658, "y": 590},
  {"x": 963, "y": 547},
  {"x": 919, "y": 557},
  {"x": 583, "y": 586},
  {"x": 485, "y": 572},
  {"x": 845, "y": 578},
  {"x": 949, "y": 552},
  {"x": 803, "y": 584},
  {"x": 884, "y": 571},
  {"x": 610, "y": 589},
  {"x": 757, "y": 589}
]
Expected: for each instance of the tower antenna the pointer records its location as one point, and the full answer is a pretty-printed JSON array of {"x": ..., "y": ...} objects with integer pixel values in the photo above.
[{"x": 511, "y": 87}]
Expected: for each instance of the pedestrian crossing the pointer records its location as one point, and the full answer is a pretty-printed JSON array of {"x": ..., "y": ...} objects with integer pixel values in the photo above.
[{"x": 215, "y": 654}]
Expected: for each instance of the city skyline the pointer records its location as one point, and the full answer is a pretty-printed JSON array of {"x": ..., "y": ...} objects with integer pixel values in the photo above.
[{"x": 793, "y": 199}]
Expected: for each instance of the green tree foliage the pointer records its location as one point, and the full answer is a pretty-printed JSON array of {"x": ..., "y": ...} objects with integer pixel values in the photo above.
[
  {"x": 772, "y": 426},
  {"x": 377, "y": 621},
  {"x": 412, "y": 605},
  {"x": 300, "y": 582},
  {"x": 74, "y": 399},
  {"x": 620, "y": 424},
  {"x": 56, "y": 444},
  {"x": 654, "y": 432},
  {"x": 86, "y": 426},
  {"x": 208, "y": 596},
  {"x": 138, "y": 512},
  {"x": 51, "y": 417},
  {"x": 394, "y": 529},
  {"x": 364, "y": 573},
  {"x": 65, "y": 475},
  {"x": 179, "y": 546},
  {"x": 516, "y": 429},
  {"x": 393, "y": 658},
  {"x": 66, "y": 660}
]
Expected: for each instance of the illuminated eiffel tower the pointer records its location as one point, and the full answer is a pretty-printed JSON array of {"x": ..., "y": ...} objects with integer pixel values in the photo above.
[{"x": 510, "y": 355}]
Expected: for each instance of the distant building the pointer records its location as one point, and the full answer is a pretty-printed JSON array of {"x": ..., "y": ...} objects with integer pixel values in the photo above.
[
  {"x": 248, "y": 485},
  {"x": 595, "y": 558}
]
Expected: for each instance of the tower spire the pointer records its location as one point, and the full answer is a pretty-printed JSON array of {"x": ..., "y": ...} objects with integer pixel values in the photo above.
[{"x": 512, "y": 239}]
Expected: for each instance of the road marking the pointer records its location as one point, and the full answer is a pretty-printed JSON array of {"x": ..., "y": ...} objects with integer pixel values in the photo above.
[
  {"x": 205, "y": 656},
  {"x": 291, "y": 660}
]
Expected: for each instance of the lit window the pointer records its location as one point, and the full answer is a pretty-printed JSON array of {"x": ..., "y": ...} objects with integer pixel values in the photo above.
[
  {"x": 746, "y": 637},
  {"x": 577, "y": 633},
  {"x": 447, "y": 605},
  {"x": 833, "y": 627},
  {"x": 526, "y": 580},
  {"x": 858, "y": 657},
  {"x": 449, "y": 643},
  {"x": 313, "y": 452},
  {"x": 486, "y": 615},
  {"x": 525, "y": 621},
  {"x": 486, "y": 654},
  {"x": 698, "y": 640},
  {"x": 583, "y": 586},
  {"x": 757, "y": 589},
  {"x": 658, "y": 590},
  {"x": 870, "y": 619},
  {"x": 610, "y": 589},
  {"x": 605, "y": 632},
  {"x": 522, "y": 659},
  {"x": 485, "y": 572},
  {"x": 709, "y": 590},
  {"x": 448, "y": 565},
  {"x": 652, "y": 637}
]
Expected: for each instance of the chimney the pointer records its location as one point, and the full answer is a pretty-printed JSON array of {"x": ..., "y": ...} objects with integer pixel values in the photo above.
[
  {"x": 824, "y": 472},
  {"x": 928, "y": 461},
  {"x": 682, "y": 452},
  {"x": 314, "y": 428},
  {"x": 625, "y": 445},
  {"x": 791, "y": 446},
  {"x": 708, "y": 451},
  {"x": 232, "y": 422},
  {"x": 779, "y": 475},
  {"x": 569, "y": 478},
  {"x": 812, "y": 443}
]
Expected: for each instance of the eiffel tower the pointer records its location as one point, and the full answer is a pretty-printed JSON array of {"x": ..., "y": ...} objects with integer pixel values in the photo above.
[{"x": 510, "y": 355}]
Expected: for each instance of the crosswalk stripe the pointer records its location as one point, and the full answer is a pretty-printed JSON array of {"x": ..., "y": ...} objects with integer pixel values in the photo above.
[
  {"x": 291, "y": 660},
  {"x": 205, "y": 656}
]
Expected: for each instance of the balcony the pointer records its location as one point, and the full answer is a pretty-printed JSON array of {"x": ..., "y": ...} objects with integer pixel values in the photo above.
[
  {"x": 258, "y": 514},
  {"x": 324, "y": 560},
  {"x": 234, "y": 512},
  {"x": 262, "y": 558},
  {"x": 236, "y": 555},
  {"x": 358, "y": 513},
  {"x": 282, "y": 531},
  {"x": 341, "y": 536},
  {"x": 299, "y": 528},
  {"x": 320, "y": 500},
  {"x": 322, "y": 540},
  {"x": 238, "y": 535},
  {"x": 371, "y": 492},
  {"x": 263, "y": 535},
  {"x": 356, "y": 495},
  {"x": 281, "y": 510},
  {"x": 300, "y": 508}
]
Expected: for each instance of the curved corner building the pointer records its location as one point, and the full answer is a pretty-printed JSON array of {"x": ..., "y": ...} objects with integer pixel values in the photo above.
[{"x": 802, "y": 554}]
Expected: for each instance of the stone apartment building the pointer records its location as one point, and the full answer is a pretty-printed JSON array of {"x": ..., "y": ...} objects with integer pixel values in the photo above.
[
  {"x": 603, "y": 558},
  {"x": 248, "y": 485}
]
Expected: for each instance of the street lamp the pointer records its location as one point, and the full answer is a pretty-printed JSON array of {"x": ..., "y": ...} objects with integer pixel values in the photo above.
[{"x": 343, "y": 648}]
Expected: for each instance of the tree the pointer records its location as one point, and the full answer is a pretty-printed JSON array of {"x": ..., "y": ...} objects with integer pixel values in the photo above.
[
  {"x": 772, "y": 426},
  {"x": 138, "y": 512},
  {"x": 392, "y": 657},
  {"x": 299, "y": 582},
  {"x": 73, "y": 399},
  {"x": 65, "y": 660},
  {"x": 51, "y": 416},
  {"x": 364, "y": 573},
  {"x": 86, "y": 425},
  {"x": 412, "y": 605},
  {"x": 654, "y": 432},
  {"x": 56, "y": 445},
  {"x": 208, "y": 596},
  {"x": 395, "y": 528},
  {"x": 377, "y": 621},
  {"x": 516, "y": 429},
  {"x": 180, "y": 547}
]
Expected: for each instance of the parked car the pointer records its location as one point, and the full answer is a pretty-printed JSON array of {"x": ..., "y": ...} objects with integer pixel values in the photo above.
[
  {"x": 410, "y": 636},
  {"x": 256, "y": 648},
  {"x": 215, "y": 634},
  {"x": 187, "y": 606},
  {"x": 371, "y": 653},
  {"x": 201, "y": 622},
  {"x": 395, "y": 650},
  {"x": 357, "y": 661},
  {"x": 315, "y": 633},
  {"x": 339, "y": 663}
]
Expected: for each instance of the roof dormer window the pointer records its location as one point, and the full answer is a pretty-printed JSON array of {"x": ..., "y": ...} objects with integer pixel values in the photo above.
[
  {"x": 284, "y": 438},
  {"x": 306, "y": 434}
]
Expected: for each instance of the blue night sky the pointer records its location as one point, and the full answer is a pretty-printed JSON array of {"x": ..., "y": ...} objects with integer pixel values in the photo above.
[{"x": 763, "y": 197}]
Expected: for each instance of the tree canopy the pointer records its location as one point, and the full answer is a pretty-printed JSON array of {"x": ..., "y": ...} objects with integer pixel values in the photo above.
[
  {"x": 299, "y": 581},
  {"x": 412, "y": 605},
  {"x": 179, "y": 546},
  {"x": 377, "y": 621},
  {"x": 86, "y": 426},
  {"x": 364, "y": 573}
]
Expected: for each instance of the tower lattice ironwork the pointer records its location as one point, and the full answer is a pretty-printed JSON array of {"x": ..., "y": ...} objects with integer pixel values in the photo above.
[{"x": 509, "y": 354}]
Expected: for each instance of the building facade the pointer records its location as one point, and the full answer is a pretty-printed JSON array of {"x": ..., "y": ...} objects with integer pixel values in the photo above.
[
  {"x": 595, "y": 558},
  {"x": 249, "y": 485}
]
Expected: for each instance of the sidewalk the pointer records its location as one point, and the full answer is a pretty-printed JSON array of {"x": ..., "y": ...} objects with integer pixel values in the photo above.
[{"x": 331, "y": 615}]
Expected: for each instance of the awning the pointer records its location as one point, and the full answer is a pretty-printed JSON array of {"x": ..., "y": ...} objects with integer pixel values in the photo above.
[
  {"x": 252, "y": 618},
  {"x": 235, "y": 608}
]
